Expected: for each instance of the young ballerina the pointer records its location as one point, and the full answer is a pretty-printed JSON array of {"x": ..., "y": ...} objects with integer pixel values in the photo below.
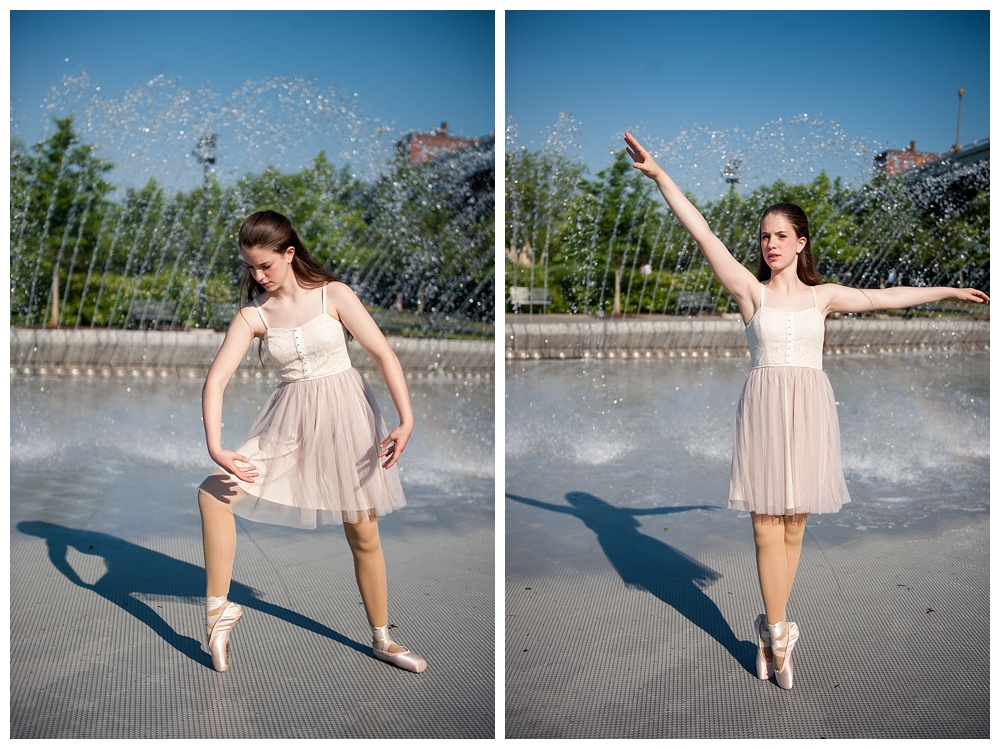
[
  {"x": 314, "y": 453},
  {"x": 786, "y": 445}
]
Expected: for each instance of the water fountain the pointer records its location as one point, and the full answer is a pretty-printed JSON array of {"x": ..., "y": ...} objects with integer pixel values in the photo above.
[
  {"x": 156, "y": 252},
  {"x": 607, "y": 251}
]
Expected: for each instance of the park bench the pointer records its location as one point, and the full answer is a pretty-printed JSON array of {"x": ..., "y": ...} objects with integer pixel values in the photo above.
[
  {"x": 525, "y": 296},
  {"x": 220, "y": 315},
  {"x": 693, "y": 300},
  {"x": 151, "y": 313}
]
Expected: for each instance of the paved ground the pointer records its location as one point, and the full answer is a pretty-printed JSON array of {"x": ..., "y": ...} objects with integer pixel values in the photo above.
[
  {"x": 640, "y": 626},
  {"x": 106, "y": 585},
  {"x": 105, "y": 636}
]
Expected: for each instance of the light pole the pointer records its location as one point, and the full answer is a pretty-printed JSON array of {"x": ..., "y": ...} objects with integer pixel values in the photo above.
[
  {"x": 205, "y": 153},
  {"x": 958, "y": 132},
  {"x": 731, "y": 173}
]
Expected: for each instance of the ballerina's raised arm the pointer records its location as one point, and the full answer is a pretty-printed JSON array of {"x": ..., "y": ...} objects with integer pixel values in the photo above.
[{"x": 735, "y": 278}]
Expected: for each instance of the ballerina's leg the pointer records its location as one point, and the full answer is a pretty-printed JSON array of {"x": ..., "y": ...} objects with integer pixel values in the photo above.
[
  {"x": 216, "y": 495},
  {"x": 369, "y": 570},
  {"x": 778, "y": 540},
  {"x": 795, "y": 528}
]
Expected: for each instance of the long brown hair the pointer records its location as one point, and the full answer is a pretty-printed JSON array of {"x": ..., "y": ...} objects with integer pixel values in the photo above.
[
  {"x": 806, "y": 269},
  {"x": 271, "y": 230}
]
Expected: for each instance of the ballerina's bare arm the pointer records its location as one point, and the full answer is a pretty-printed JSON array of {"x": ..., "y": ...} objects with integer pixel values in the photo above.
[
  {"x": 234, "y": 348},
  {"x": 837, "y": 298},
  {"x": 352, "y": 313},
  {"x": 736, "y": 279}
]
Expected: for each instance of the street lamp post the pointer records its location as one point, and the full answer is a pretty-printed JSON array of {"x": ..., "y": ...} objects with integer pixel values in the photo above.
[
  {"x": 958, "y": 132},
  {"x": 731, "y": 173},
  {"x": 205, "y": 153}
]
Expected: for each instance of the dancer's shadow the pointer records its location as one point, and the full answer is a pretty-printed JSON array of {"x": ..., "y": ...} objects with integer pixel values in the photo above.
[
  {"x": 643, "y": 562},
  {"x": 132, "y": 569}
]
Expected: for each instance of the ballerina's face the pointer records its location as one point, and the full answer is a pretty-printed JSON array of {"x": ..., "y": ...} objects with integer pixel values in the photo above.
[
  {"x": 779, "y": 244},
  {"x": 268, "y": 268}
]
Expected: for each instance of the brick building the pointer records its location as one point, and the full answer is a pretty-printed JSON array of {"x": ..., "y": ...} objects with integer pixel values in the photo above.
[
  {"x": 895, "y": 162},
  {"x": 424, "y": 147}
]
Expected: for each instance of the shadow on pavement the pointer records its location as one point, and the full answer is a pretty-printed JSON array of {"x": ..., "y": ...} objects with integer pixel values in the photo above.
[
  {"x": 643, "y": 562},
  {"x": 132, "y": 569}
]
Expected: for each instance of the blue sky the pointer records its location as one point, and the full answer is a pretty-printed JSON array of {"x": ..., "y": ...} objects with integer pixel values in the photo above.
[
  {"x": 885, "y": 78},
  {"x": 411, "y": 69}
]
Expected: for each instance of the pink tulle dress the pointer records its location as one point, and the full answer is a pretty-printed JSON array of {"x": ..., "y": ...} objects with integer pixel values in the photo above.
[
  {"x": 315, "y": 442},
  {"x": 786, "y": 445}
]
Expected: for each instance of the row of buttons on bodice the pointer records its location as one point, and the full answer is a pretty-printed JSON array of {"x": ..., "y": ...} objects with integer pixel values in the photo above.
[
  {"x": 792, "y": 339},
  {"x": 789, "y": 330},
  {"x": 297, "y": 336}
]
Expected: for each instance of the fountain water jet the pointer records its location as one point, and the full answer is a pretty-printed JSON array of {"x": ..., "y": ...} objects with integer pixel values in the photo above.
[
  {"x": 613, "y": 249},
  {"x": 367, "y": 218}
]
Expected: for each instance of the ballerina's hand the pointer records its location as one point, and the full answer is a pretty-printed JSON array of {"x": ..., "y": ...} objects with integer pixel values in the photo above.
[
  {"x": 227, "y": 460},
  {"x": 970, "y": 295},
  {"x": 394, "y": 444},
  {"x": 641, "y": 159}
]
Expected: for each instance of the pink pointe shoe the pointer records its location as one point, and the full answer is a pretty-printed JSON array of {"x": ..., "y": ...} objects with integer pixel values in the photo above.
[
  {"x": 405, "y": 659},
  {"x": 218, "y": 639},
  {"x": 765, "y": 665},
  {"x": 784, "y": 635}
]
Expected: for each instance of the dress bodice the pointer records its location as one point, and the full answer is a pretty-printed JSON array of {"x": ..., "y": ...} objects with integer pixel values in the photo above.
[
  {"x": 316, "y": 349},
  {"x": 786, "y": 339}
]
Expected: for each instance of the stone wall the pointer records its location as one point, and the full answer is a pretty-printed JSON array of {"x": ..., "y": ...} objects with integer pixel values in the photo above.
[
  {"x": 188, "y": 354},
  {"x": 588, "y": 337}
]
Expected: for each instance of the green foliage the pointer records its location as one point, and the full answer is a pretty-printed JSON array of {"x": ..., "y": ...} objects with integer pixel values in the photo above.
[
  {"x": 540, "y": 187},
  {"x": 426, "y": 252},
  {"x": 411, "y": 238},
  {"x": 58, "y": 202},
  {"x": 609, "y": 227}
]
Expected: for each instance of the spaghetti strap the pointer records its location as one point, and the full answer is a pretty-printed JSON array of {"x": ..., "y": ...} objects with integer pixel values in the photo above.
[
  {"x": 324, "y": 298},
  {"x": 260, "y": 312},
  {"x": 762, "y": 287},
  {"x": 815, "y": 303}
]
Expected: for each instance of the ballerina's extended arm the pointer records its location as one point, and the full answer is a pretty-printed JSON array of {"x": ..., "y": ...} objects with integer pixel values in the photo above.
[
  {"x": 735, "y": 279},
  {"x": 355, "y": 317},
  {"x": 238, "y": 339},
  {"x": 849, "y": 299}
]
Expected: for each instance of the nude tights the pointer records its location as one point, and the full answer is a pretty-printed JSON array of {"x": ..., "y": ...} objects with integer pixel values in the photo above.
[
  {"x": 218, "y": 528},
  {"x": 778, "y": 540}
]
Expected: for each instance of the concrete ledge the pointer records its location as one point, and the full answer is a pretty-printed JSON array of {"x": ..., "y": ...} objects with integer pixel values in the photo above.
[
  {"x": 188, "y": 354},
  {"x": 563, "y": 338}
]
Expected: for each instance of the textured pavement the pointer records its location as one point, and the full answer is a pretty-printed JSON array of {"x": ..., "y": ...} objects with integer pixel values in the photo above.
[
  {"x": 106, "y": 637},
  {"x": 631, "y": 626}
]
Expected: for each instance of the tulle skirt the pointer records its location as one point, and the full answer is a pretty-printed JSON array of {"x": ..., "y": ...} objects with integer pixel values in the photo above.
[
  {"x": 315, "y": 446},
  {"x": 786, "y": 445}
]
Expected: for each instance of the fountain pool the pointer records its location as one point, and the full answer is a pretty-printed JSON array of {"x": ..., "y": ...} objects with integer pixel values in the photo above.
[
  {"x": 914, "y": 432},
  {"x": 91, "y": 436}
]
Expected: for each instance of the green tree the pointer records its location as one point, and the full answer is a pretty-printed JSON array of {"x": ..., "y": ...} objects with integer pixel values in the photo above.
[
  {"x": 58, "y": 203},
  {"x": 431, "y": 236},
  {"x": 540, "y": 188},
  {"x": 611, "y": 229}
]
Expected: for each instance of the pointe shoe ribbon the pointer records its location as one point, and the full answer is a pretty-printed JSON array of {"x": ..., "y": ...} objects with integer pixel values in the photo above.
[
  {"x": 218, "y": 640},
  {"x": 405, "y": 659}
]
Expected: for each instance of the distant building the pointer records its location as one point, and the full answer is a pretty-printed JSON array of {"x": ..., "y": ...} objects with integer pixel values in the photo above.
[
  {"x": 424, "y": 147},
  {"x": 895, "y": 162},
  {"x": 972, "y": 154},
  {"x": 944, "y": 183}
]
